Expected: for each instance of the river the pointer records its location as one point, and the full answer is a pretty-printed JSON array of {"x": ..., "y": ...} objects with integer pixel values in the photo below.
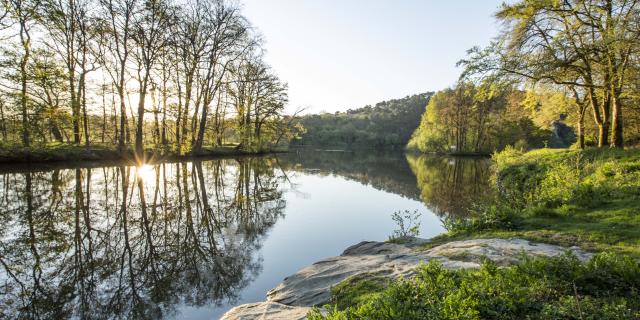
[{"x": 190, "y": 240}]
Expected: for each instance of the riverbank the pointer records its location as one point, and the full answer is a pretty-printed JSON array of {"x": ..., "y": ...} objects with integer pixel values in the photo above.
[
  {"x": 55, "y": 153},
  {"x": 586, "y": 203},
  {"x": 455, "y": 280},
  {"x": 451, "y": 153},
  {"x": 586, "y": 198}
]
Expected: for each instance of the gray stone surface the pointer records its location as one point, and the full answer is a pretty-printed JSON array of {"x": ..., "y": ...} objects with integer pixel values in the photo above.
[
  {"x": 311, "y": 286},
  {"x": 502, "y": 251},
  {"x": 266, "y": 311}
]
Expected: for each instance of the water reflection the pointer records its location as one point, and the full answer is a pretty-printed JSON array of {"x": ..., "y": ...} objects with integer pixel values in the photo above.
[
  {"x": 386, "y": 171},
  {"x": 152, "y": 241},
  {"x": 127, "y": 242},
  {"x": 452, "y": 185}
]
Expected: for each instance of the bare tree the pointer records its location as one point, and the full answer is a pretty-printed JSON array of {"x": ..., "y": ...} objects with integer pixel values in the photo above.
[
  {"x": 115, "y": 41},
  {"x": 150, "y": 36},
  {"x": 24, "y": 14},
  {"x": 228, "y": 43}
]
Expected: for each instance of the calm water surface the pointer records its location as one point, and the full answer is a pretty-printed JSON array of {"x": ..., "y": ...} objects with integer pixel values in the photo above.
[{"x": 190, "y": 240}]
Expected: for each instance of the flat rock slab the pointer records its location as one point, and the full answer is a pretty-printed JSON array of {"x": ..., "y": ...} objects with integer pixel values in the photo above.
[
  {"x": 502, "y": 251},
  {"x": 312, "y": 285},
  {"x": 266, "y": 311}
]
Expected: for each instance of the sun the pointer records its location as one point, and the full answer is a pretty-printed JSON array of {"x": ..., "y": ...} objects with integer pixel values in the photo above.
[{"x": 145, "y": 172}]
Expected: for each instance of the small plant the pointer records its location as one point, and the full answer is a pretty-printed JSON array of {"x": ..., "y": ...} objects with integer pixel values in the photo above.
[{"x": 408, "y": 225}]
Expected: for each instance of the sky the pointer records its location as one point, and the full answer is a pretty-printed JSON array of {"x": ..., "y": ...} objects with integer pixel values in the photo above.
[{"x": 345, "y": 54}]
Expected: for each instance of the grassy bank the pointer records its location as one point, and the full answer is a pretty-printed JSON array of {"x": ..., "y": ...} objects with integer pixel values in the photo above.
[
  {"x": 589, "y": 199},
  {"x": 58, "y": 152}
]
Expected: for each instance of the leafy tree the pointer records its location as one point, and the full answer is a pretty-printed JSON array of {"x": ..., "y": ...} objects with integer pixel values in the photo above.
[{"x": 473, "y": 118}]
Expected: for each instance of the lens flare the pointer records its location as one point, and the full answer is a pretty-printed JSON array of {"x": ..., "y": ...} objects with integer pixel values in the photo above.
[{"x": 145, "y": 172}]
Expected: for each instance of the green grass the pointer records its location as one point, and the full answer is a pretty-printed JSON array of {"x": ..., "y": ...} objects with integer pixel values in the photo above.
[
  {"x": 605, "y": 287},
  {"x": 358, "y": 290},
  {"x": 613, "y": 227},
  {"x": 589, "y": 199}
]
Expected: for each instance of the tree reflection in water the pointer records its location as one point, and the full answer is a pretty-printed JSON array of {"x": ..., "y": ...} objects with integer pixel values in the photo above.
[
  {"x": 451, "y": 186},
  {"x": 446, "y": 185},
  {"x": 133, "y": 242}
]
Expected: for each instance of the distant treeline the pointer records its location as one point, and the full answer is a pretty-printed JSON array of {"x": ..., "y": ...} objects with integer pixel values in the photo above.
[
  {"x": 388, "y": 124},
  {"x": 482, "y": 118}
]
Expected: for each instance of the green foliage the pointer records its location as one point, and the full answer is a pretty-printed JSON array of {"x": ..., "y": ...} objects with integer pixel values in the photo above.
[
  {"x": 554, "y": 178},
  {"x": 387, "y": 124},
  {"x": 481, "y": 118},
  {"x": 357, "y": 290},
  {"x": 482, "y": 217},
  {"x": 538, "y": 288},
  {"x": 408, "y": 224},
  {"x": 567, "y": 197}
]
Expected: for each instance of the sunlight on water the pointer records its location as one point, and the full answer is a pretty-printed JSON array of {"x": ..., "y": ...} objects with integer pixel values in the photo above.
[{"x": 145, "y": 172}]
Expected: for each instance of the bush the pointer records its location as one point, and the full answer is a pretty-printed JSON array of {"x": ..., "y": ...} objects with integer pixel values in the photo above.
[
  {"x": 482, "y": 217},
  {"x": 538, "y": 288},
  {"x": 357, "y": 290},
  {"x": 408, "y": 225}
]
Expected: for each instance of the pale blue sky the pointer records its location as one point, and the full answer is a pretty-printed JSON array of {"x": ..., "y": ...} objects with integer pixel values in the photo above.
[{"x": 341, "y": 54}]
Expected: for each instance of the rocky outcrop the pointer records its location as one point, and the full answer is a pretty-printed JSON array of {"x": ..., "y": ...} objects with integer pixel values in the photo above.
[
  {"x": 311, "y": 286},
  {"x": 266, "y": 311}
]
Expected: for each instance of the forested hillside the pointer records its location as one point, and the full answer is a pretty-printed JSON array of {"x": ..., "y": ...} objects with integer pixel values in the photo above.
[{"x": 388, "y": 124}]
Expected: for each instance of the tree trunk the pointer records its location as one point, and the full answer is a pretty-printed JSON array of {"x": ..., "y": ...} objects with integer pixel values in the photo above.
[
  {"x": 581, "y": 103},
  {"x": 55, "y": 131},
  {"x": 140, "y": 122},
  {"x": 75, "y": 108},
  {"x": 600, "y": 116},
  {"x": 85, "y": 118},
  {"x": 603, "y": 135},
  {"x": 26, "y": 45},
  {"x": 156, "y": 121},
  {"x": 178, "y": 118},
  {"x": 3, "y": 125},
  {"x": 115, "y": 116},
  {"x": 197, "y": 147},
  {"x": 617, "y": 139},
  {"x": 581, "y": 131},
  {"x": 185, "y": 114},
  {"x": 104, "y": 115},
  {"x": 163, "y": 137},
  {"x": 123, "y": 113}
]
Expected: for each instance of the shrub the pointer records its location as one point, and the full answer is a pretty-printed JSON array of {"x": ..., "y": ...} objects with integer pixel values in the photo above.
[
  {"x": 357, "y": 290},
  {"x": 562, "y": 287},
  {"x": 482, "y": 217},
  {"x": 408, "y": 225}
]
